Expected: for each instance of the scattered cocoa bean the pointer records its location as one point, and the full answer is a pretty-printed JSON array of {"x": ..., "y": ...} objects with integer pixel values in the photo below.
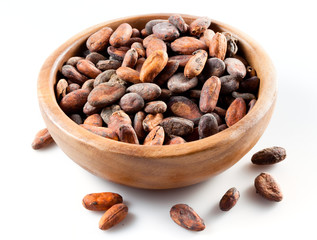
[
  {"x": 267, "y": 187},
  {"x": 269, "y": 156},
  {"x": 42, "y": 139},
  {"x": 113, "y": 216},
  {"x": 229, "y": 200},
  {"x": 101, "y": 201}
]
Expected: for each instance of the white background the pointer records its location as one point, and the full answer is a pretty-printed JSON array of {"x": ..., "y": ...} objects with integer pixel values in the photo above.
[{"x": 41, "y": 191}]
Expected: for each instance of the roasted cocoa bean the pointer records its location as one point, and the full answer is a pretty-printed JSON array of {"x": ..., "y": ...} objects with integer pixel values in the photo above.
[
  {"x": 165, "y": 31},
  {"x": 155, "y": 107},
  {"x": 107, "y": 112},
  {"x": 42, "y": 139},
  {"x": 95, "y": 57},
  {"x": 87, "y": 68},
  {"x": 187, "y": 45},
  {"x": 267, "y": 187},
  {"x": 218, "y": 46},
  {"x": 131, "y": 103},
  {"x": 207, "y": 126},
  {"x": 235, "y": 67},
  {"x": 229, "y": 200},
  {"x": 178, "y": 83},
  {"x": 127, "y": 134},
  {"x": 155, "y": 137},
  {"x": 128, "y": 74},
  {"x": 183, "y": 107},
  {"x": 178, "y": 22},
  {"x": 101, "y": 201},
  {"x": 269, "y": 156},
  {"x": 209, "y": 94},
  {"x": 186, "y": 217},
  {"x": 153, "y": 65},
  {"x": 105, "y": 94},
  {"x": 72, "y": 74},
  {"x": 94, "y": 120},
  {"x": 104, "y": 65},
  {"x": 229, "y": 84},
  {"x": 177, "y": 126},
  {"x": 130, "y": 58},
  {"x": 168, "y": 71},
  {"x": 151, "y": 121},
  {"x": 74, "y": 101},
  {"x": 148, "y": 91},
  {"x": 196, "y": 64},
  {"x": 113, "y": 216},
  {"x": 138, "y": 124},
  {"x": 235, "y": 112},
  {"x": 99, "y": 40},
  {"x": 199, "y": 26},
  {"x": 121, "y": 35}
]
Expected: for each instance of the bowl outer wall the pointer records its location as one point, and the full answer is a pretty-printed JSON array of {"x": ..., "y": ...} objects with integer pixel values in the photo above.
[{"x": 157, "y": 167}]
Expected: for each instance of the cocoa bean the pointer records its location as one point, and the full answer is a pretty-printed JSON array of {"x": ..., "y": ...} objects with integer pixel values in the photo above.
[
  {"x": 104, "y": 65},
  {"x": 127, "y": 134},
  {"x": 72, "y": 87},
  {"x": 153, "y": 65},
  {"x": 150, "y": 24},
  {"x": 76, "y": 118},
  {"x": 181, "y": 59},
  {"x": 199, "y": 26},
  {"x": 148, "y": 91},
  {"x": 235, "y": 67},
  {"x": 269, "y": 156},
  {"x": 208, "y": 35},
  {"x": 196, "y": 64},
  {"x": 61, "y": 88},
  {"x": 177, "y": 126},
  {"x": 101, "y": 201},
  {"x": 168, "y": 71},
  {"x": 187, "y": 45},
  {"x": 121, "y": 35},
  {"x": 74, "y": 101},
  {"x": 267, "y": 187},
  {"x": 95, "y": 57},
  {"x": 209, "y": 94},
  {"x": 98, "y": 41},
  {"x": 89, "y": 110},
  {"x": 151, "y": 121},
  {"x": 186, "y": 217},
  {"x": 194, "y": 93},
  {"x": 207, "y": 126},
  {"x": 104, "y": 77},
  {"x": 73, "y": 61},
  {"x": 94, "y": 120},
  {"x": 139, "y": 64},
  {"x": 117, "y": 53},
  {"x": 250, "y": 85},
  {"x": 245, "y": 96},
  {"x": 128, "y": 74},
  {"x": 113, "y": 216},
  {"x": 155, "y": 107},
  {"x": 105, "y": 94},
  {"x": 183, "y": 107},
  {"x": 107, "y": 112},
  {"x": 175, "y": 140},
  {"x": 214, "y": 67},
  {"x": 229, "y": 84},
  {"x": 178, "y": 22},
  {"x": 178, "y": 83},
  {"x": 165, "y": 31},
  {"x": 222, "y": 127},
  {"x": 72, "y": 74},
  {"x": 232, "y": 47},
  {"x": 131, "y": 103},
  {"x": 130, "y": 58},
  {"x": 218, "y": 46},
  {"x": 135, "y": 32},
  {"x": 87, "y": 68},
  {"x": 88, "y": 85},
  {"x": 235, "y": 112},
  {"x": 229, "y": 200},
  {"x": 155, "y": 137},
  {"x": 154, "y": 45},
  {"x": 42, "y": 139},
  {"x": 138, "y": 124},
  {"x": 251, "y": 104},
  {"x": 139, "y": 48}
]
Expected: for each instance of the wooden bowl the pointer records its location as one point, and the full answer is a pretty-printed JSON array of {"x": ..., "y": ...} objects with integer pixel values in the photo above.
[{"x": 156, "y": 167}]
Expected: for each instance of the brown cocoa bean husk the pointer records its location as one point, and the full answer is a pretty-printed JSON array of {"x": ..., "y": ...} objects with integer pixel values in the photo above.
[
  {"x": 235, "y": 67},
  {"x": 229, "y": 200},
  {"x": 196, "y": 64},
  {"x": 61, "y": 88},
  {"x": 101, "y": 201},
  {"x": 267, "y": 187},
  {"x": 182, "y": 59},
  {"x": 269, "y": 156},
  {"x": 101, "y": 131},
  {"x": 148, "y": 91},
  {"x": 130, "y": 58},
  {"x": 186, "y": 217},
  {"x": 139, "y": 48},
  {"x": 117, "y": 53},
  {"x": 138, "y": 124},
  {"x": 87, "y": 68},
  {"x": 128, "y": 74},
  {"x": 104, "y": 77},
  {"x": 113, "y": 216},
  {"x": 127, "y": 134},
  {"x": 73, "y": 75},
  {"x": 73, "y": 102},
  {"x": 121, "y": 35},
  {"x": 104, "y": 65},
  {"x": 183, "y": 107},
  {"x": 178, "y": 83},
  {"x": 139, "y": 64},
  {"x": 178, "y": 22},
  {"x": 168, "y": 71},
  {"x": 73, "y": 61},
  {"x": 209, "y": 94},
  {"x": 151, "y": 121},
  {"x": 72, "y": 87},
  {"x": 42, "y": 139},
  {"x": 235, "y": 112},
  {"x": 105, "y": 94},
  {"x": 107, "y": 112},
  {"x": 229, "y": 84},
  {"x": 177, "y": 126},
  {"x": 218, "y": 46},
  {"x": 153, "y": 65},
  {"x": 155, "y": 107},
  {"x": 207, "y": 126},
  {"x": 98, "y": 41},
  {"x": 155, "y": 137},
  {"x": 131, "y": 103},
  {"x": 89, "y": 110},
  {"x": 94, "y": 120},
  {"x": 187, "y": 45},
  {"x": 95, "y": 57},
  {"x": 165, "y": 31},
  {"x": 214, "y": 67},
  {"x": 199, "y": 26}
]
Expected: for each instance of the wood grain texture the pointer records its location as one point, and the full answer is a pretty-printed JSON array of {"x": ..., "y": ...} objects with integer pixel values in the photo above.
[{"x": 156, "y": 167}]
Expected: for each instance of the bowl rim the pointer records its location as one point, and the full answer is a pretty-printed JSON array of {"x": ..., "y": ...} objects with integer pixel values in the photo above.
[{"x": 49, "y": 106}]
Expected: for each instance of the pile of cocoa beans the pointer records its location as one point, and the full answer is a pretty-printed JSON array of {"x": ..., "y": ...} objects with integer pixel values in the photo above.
[{"x": 169, "y": 83}]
